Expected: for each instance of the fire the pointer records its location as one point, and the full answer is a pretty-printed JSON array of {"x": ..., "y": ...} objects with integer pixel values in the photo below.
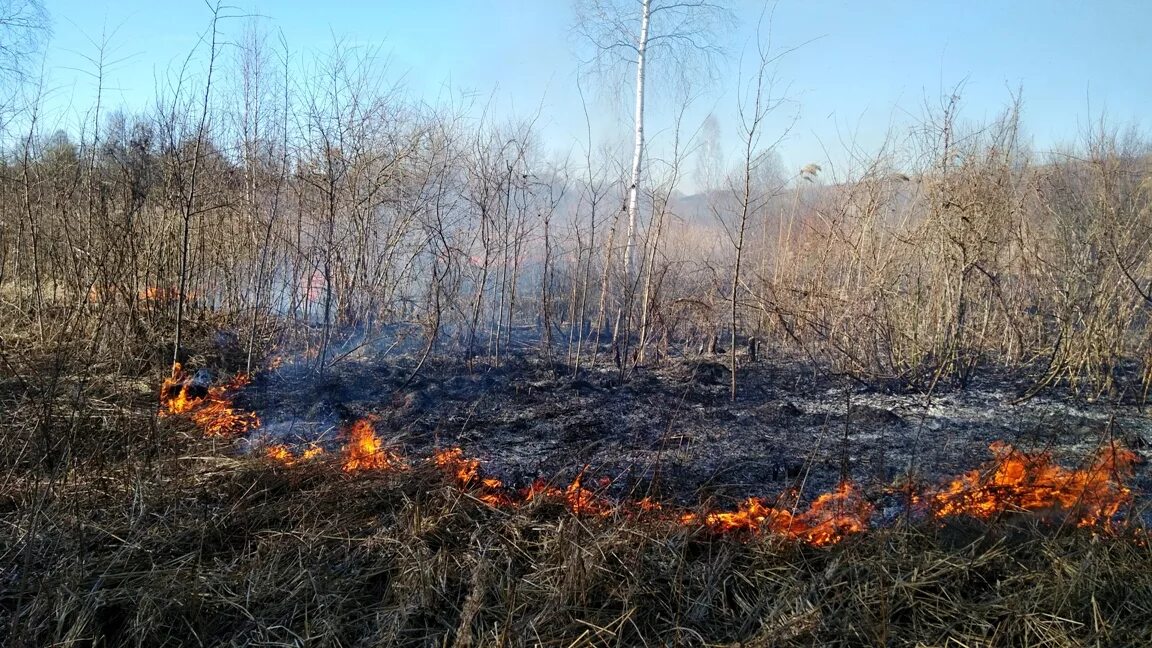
[
  {"x": 210, "y": 408},
  {"x": 280, "y": 453},
  {"x": 157, "y": 293},
  {"x": 463, "y": 470},
  {"x": 833, "y": 516},
  {"x": 1012, "y": 481},
  {"x": 466, "y": 473},
  {"x": 830, "y": 518},
  {"x": 576, "y": 497},
  {"x": 647, "y": 505},
  {"x": 179, "y": 393},
  {"x": 1019, "y": 481},
  {"x": 365, "y": 451}
]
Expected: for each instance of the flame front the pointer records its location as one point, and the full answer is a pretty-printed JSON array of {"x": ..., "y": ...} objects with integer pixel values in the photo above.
[
  {"x": 1013, "y": 481},
  {"x": 365, "y": 451},
  {"x": 1018, "y": 481},
  {"x": 831, "y": 517},
  {"x": 466, "y": 473},
  {"x": 575, "y": 497}
]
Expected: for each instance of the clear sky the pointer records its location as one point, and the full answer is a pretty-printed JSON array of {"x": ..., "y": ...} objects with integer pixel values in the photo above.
[{"x": 870, "y": 63}]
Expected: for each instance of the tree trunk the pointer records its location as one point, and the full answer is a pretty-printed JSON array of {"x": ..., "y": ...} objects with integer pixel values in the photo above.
[{"x": 638, "y": 142}]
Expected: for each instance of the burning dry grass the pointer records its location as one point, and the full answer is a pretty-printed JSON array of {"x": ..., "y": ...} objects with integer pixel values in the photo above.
[
  {"x": 831, "y": 517},
  {"x": 364, "y": 450},
  {"x": 1013, "y": 481},
  {"x": 248, "y": 553},
  {"x": 214, "y": 551},
  {"x": 211, "y": 408},
  {"x": 1017, "y": 481},
  {"x": 283, "y": 454}
]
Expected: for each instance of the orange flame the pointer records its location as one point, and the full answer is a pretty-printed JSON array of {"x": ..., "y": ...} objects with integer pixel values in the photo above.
[
  {"x": 575, "y": 496},
  {"x": 466, "y": 473},
  {"x": 210, "y": 408},
  {"x": 1018, "y": 481},
  {"x": 831, "y": 517},
  {"x": 281, "y": 453},
  {"x": 1013, "y": 481},
  {"x": 365, "y": 451}
]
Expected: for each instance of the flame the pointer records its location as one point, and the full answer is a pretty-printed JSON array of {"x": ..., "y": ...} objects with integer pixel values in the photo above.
[
  {"x": 174, "y": 391},
  {"x": 210, "y": 408},
  {"x": 831, "y": 517},
  {"x": 575, "y": 497},
  {"x": 1019, "y": 481},
  {"x": 365, "y": 451},
  {"x": 1012, "y": 481},
  {"x": 647, "y": 505},
  {"x": 280, "y": 453},
  {"x": 466, "y": 473}
]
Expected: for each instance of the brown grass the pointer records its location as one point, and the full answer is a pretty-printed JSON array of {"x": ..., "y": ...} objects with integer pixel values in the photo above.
[{"x": 197, "y": 550}]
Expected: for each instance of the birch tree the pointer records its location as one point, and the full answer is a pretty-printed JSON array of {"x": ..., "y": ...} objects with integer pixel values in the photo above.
[{"x": 624, "y": 32}]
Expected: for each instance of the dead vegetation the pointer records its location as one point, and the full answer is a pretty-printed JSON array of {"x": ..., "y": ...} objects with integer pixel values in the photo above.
[
  {"x": 322, "y": 217},
  {"x": 200, "y": 551}
]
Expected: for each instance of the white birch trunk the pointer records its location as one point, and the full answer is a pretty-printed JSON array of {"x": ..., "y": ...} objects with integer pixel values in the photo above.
[{"x": 638, "y": 144}]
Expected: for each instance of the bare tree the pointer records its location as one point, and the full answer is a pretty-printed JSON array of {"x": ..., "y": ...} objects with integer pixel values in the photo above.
[
  {"x": 188, "y": 197},
  {"x": 23, "y": 30},
  {"x": 681, "y": 31},
  {"x": 750, "y": 189}
]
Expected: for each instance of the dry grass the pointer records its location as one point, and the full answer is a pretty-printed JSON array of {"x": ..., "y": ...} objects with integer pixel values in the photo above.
[{"x": 201, "y": 550}]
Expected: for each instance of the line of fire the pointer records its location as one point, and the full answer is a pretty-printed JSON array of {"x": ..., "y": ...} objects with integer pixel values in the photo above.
[{"x": 1011, "y": 482}]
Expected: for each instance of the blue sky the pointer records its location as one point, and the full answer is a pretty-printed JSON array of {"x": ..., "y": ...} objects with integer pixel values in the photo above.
[{"x": 870, "y": 64}]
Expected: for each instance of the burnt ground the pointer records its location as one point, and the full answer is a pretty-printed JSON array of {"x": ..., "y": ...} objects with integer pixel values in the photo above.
[{"x": 672, "y": 431}]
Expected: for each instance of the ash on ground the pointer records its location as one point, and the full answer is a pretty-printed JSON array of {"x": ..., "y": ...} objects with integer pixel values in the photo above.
[{"x": 672, "y": 431}]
